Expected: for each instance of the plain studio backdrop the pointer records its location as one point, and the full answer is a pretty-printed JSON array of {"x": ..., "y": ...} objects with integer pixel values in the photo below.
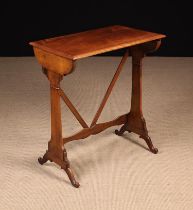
[
  {"x": 115, "y": 173},
  {"x": 26, "y": 21}
]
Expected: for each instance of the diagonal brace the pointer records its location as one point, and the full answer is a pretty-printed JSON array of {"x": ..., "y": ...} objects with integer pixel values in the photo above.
[
  {"x": 109, "y": 90},
  {"x": 105, "y": 98},
  {"x": 72, "y": 108}
]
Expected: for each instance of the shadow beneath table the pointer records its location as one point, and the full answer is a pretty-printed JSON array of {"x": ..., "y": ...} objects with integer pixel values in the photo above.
[
  {"x": 32, "y": 164},
  {"x": 85, "y": 162},
  {"x": 82, "y": 164},
  {"x": 126, "y": 137}
]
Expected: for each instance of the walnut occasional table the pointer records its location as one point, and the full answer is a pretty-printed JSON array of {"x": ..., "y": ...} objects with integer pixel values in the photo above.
[{"x": 57, "y": 57}]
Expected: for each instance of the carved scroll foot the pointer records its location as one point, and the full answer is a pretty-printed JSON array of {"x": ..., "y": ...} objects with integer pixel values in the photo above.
[
  {"x": 136, "y": 124},
  {"x": 43, "y": 159},
  {"x": 72, "y": 178},
  {"x": 66, "y": 167},
  {"x": 122, "y": 130},
  {"x": 61, "y": 161},
  {"x": 150, "y": 144}
]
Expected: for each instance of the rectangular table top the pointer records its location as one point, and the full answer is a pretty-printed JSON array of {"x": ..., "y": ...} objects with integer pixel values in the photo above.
[{"x": 92, "y": 42}]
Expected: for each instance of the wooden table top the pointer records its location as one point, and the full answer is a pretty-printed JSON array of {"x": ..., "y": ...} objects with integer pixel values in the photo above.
[{"x": 92, "y": 42}]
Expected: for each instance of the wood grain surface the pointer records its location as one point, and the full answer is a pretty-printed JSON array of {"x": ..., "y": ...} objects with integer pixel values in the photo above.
[{"x": 92, "y": 42}]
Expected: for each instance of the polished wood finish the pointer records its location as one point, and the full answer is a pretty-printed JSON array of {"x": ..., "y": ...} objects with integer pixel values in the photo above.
[
  {"x": 135, "y": 120},
  {"x": 72, "y": 108},
  {"x": 97, "y": 128},
  {"x": 53, "y": 62},
  {"x": 57, "y": 57},
  {"x": 56, "y": 151},
  {"x": 92, "y": 42}
]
